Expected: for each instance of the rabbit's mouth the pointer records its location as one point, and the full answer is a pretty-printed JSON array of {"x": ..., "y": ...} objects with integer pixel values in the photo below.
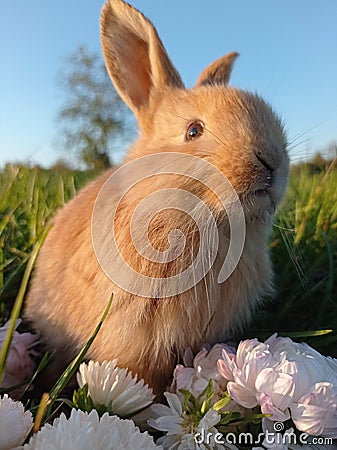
[
  {"x": 261, "y": 193},
  {"x": 261, "y": 189},
  {"x": 259, "y": 200}
]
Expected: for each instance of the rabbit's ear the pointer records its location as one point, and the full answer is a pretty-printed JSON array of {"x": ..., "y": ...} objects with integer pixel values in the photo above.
[
  {"x": 219, "y": 71},
  {"x": 134, "y": 55}
]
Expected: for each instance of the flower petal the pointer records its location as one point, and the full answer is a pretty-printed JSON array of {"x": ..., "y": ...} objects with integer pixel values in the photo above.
[
  {"x": 242, "y": 395},
  {"x": 278, "y": 386},
  {"x": 174, "y": 403},
  {"x": 267, "y": 407},
  {"x": 308, "y": 418}
]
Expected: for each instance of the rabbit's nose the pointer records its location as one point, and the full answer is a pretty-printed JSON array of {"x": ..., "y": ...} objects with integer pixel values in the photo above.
[
  {"x": 266, "y": 170},
  {"x": 262, "y": 158}
]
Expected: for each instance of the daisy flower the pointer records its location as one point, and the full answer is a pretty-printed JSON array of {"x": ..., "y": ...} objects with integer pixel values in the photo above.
[
  {"x": 183, "y": 430},
  {"x": 83, "y": 431},
  {"x": 114, "y": 387},
  {"x": 15, "y": 423}
]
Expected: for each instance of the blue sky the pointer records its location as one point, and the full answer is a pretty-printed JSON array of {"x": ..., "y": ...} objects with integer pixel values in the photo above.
[{"x": 288, "y": 54}]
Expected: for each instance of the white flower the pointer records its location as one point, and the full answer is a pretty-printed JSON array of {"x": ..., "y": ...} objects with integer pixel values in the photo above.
[
  {"x": 108, "y": 383},
  {"x": 83, "y": 431},
  {"x": 182, "y": 430},
  {"x": 306, "y": 365},
  {"x": 15, "y": 423},
  {"x": 316, "y": 413},
  {"x": 285, "y": 377},
  {"x": 19, "y": 364},
  {"x": 196, "y": 372},
  {"x": 314, "y": 405}
]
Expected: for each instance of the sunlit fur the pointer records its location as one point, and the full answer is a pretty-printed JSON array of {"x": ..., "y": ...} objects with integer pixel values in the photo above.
[{"x": 70, "y": 291}]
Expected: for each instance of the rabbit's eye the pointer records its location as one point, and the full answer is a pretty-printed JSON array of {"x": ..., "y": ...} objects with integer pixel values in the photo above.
[{"x": 194, "y": 130}]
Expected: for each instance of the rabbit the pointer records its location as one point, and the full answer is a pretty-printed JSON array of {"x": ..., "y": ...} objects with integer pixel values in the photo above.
[{"x": 203, "y": 133}]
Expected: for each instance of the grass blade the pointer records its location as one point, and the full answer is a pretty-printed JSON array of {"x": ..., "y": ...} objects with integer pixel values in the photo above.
[
  {"x": 305, "y": 334},
  {"x": 73, "y": 366},
  {"x": 41, "y": 412},
  {"x": 18, "y": 303}
]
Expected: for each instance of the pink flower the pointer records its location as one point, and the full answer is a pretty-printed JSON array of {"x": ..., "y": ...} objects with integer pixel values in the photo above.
[
  {"x": 245, "y": 370},
  {"x": 287, "y": 379},
  {"x": 19, "y": 364},
  {"x": 196, "y": 372}
]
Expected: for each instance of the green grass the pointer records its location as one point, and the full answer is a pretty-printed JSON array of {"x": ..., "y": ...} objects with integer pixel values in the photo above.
[
  {"x": 304, "y": 253},
  {"x": 28, "y": 199},
  {"x": 303, "y": 245}
]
